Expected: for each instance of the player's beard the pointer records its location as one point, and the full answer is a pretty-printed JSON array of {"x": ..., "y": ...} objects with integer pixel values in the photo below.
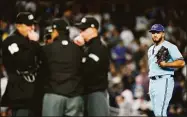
[{"x": 157, "y": 41}]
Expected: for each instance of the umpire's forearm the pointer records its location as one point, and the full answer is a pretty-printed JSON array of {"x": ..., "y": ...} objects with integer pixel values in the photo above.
[{"x": 176, "y": 64}]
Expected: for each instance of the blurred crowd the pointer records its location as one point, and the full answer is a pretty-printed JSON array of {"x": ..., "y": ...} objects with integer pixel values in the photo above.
[{"x": 124, "y": 26}]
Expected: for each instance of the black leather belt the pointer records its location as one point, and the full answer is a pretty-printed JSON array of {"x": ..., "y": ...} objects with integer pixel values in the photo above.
[{"x": 158, "y": 77}]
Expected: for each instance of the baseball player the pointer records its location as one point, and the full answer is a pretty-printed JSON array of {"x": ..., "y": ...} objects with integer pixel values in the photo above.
[{"x": 161, "y": 74}]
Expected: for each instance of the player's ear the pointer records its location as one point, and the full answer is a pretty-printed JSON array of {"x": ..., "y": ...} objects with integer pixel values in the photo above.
[
  {"x": 18, "y": 26},
  {"x": 163, "y": 34},
  {"x": 55, "y": 34}
]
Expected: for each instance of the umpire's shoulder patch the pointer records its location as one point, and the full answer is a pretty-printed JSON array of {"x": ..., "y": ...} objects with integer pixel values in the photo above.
[{"x": 94, "y": 57}]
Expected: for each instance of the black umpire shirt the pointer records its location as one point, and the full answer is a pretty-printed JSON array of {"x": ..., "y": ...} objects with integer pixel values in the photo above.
[
  {"x": 19, "y": 53},
  {"x": 63, "y": 67},
  {"x": 96, "y": 66}
]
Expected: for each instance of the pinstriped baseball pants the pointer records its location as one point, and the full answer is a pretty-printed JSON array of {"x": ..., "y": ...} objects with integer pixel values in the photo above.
[{"x": 160, "y": 91}]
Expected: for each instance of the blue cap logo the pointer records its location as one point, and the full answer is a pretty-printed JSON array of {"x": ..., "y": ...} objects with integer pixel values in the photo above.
[{"x": 157, "y": 28}]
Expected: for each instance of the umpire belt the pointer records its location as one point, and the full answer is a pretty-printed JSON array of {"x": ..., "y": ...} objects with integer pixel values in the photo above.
[{"x": 158, "y": 77}]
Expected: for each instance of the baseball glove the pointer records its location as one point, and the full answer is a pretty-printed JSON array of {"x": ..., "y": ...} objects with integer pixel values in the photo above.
[{"x": 162, "y": 55}]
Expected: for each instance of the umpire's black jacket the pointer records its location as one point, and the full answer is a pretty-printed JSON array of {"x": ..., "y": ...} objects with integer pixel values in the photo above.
[
  {"x": 62, "y": 64},
  {"x": 19, "y": 53},
  {"x": 96, "y": 66}
]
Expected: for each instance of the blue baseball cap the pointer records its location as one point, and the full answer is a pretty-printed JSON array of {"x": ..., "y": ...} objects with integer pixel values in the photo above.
[{"x": 157, "y": 28}]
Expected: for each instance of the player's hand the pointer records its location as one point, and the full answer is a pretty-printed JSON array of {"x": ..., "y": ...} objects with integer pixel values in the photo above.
[
  {"x": 89, "y": 34},
  {"x": 33, "y": 36},
  {"x": 163, "y": 64},
  {"x": 119, "y": 99},
  {"x": 79, "y": 40}
]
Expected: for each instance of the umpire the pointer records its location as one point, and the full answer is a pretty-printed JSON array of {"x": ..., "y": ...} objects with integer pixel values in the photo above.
[
  {"x": 96, "y": 66},
  {"x": 62, "y": 63},
  {"x": 20, "y": 57}
]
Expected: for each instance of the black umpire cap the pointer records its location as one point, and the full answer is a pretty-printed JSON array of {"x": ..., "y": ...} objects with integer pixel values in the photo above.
[
  {"x": 25, "y": 18},
  {"x": 58, "y": 24},
  {"x": 87, "y": 22}
]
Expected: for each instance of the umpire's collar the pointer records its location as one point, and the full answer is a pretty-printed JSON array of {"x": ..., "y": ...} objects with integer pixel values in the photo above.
[{"x": 93, "y": 40}]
